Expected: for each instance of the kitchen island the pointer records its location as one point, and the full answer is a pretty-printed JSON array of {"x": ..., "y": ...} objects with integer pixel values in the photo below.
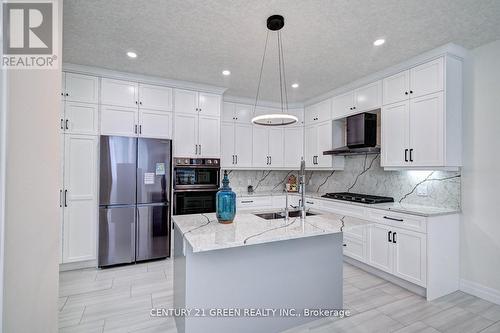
[{"x": 255, "y": 275}]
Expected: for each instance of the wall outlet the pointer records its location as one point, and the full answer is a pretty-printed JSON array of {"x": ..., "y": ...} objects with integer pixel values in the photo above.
[{"x": 422, "y": 190}]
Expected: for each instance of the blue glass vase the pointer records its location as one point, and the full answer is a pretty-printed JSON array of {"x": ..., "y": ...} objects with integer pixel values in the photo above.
[{"x": 226, "y": 202}]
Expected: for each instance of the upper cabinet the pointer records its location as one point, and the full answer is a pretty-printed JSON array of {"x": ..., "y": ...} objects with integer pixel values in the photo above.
[
  {"x": 80, "y": 88},
  {"x": 363, "y": 99},
  {"x": 318, "y": 112},
  {"x": 197, "y": 124},
  {"x": 421, "y": 116},
  {"x": 415, "y": 82},
  {"x": 119, "y": 93},
  {"x": 155, "y": 97},
  {"x": 318, "y": 138}
]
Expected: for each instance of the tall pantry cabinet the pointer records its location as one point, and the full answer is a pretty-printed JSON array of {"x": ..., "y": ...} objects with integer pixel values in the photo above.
[{"x": 78, "y": 184}]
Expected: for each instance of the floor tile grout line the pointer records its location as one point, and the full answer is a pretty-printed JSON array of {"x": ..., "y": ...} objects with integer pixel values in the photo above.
[
  {"x": 494, "y": 323},
  {"x": 83, "y": 312},
  {"x": 65, "y": 302}
]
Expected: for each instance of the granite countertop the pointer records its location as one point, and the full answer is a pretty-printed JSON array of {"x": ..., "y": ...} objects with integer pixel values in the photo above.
[
  {"x": 204, "y": 233},
  {"x": 412, "y": 209}
]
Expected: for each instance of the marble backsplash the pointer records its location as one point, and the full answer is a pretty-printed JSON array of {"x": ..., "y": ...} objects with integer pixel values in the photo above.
[{"x": 363, "y": 174}]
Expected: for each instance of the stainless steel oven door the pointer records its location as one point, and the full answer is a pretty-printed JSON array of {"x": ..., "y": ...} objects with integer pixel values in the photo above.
[
  {"x": 196, "y": 178},
  {"x": 194, "y": 201}
]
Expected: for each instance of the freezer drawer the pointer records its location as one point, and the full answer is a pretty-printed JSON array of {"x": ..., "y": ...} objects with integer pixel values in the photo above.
[
  {"x": 116, "y": 235},
  {"x": 153, "y": 230}
]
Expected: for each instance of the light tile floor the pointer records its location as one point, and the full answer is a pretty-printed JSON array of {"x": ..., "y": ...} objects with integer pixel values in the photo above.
[{"x": 120, "y": 299}]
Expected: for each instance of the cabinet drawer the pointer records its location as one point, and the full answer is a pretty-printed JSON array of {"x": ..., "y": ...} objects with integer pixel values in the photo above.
[
  {"x": 354, "y": 248},
  {"x": 313, "y": 203},
  {"x": 404, "y": 221},
  {"x": 344, "y": 209},
  {"x": 254, "y": 202},
  {"x": 354, "y": 229}
]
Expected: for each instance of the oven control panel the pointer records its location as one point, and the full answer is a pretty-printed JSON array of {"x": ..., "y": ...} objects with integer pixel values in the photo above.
[{"x": 186, "y": 161}]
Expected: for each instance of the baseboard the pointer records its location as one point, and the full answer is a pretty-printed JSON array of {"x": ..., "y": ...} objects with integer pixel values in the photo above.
[
  {"x": 476, "y": 289},
  {"x": 77, "y": 265}
]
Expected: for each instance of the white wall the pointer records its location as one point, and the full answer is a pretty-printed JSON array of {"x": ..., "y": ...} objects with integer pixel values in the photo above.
[
  {"x": 32, "y": 229},
  {"x": 480, "y": 234}
]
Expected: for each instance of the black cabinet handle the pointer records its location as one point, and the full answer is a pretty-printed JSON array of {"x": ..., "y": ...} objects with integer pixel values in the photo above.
[
  {"x": 60, "y": 198},
  {"x": 389, "y": 237},
  {"x": 393, "y": 219},
  {"x": 406, "y": 155},
  {"x": 67, "y": 124},
  {"x": 140, "y": 129},
  {"x": 394, "y": 238},
  {"x": 62, "y": 123},
  {"x": 270, "y": 160},
  {"x": 411, "y": 157},
  {"x": 246, "y": 201},
  {"x": 236, "y": 159},
  {"x": 345, "y": 245},
  {"x": 65, "y": 198},
  {"x": 135, "y": 129},
  {"x": 310, "y": 202},
  {"x": 233, "y": 155}
]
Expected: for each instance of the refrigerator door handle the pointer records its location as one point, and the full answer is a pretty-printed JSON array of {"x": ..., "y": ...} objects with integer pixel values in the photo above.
[{"x": 65, "y": 198}]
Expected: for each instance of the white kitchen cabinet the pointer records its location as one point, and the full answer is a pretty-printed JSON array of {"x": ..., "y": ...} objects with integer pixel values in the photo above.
[
  {"x": 380, "y": 249},
  {"x": 117, "y": 120},
  {"x": 80, "y": 88},
  {"x": 186, "y": 134},
  {"x": 155, "y": 124},
  {"x": 410, "y": 253},
  {"x": 119, "y": 93},
  {"x": 427, "y": 78},
  {"x": 276, "y": 146},
  {"x": 79, "y": 118},
  {"x": 319, "y": 138},
  {"x": 79, "y": 198},
  {"x": 418, "y": 81},
  {"x": 209, "y": 104},
  {"x": 236, "y": 145},
  {"x": 155, "y": 97},
  {"x": 396, "y": 88},
  {"x": 208, "y": 136},
  {"x": 395, "y": 134},
  {"x": 267, "y": 147},
  {"x": 426, "y": 146},
  {"x": 366, "y": 98},
  {"x": 293, "y": 146},
  {"x": 185, "y": 101},
  {"x": 318, "y": 112}
]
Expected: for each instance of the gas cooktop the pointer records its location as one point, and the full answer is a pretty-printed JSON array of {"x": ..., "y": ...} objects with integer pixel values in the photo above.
[{"x": 356, "y": 197}]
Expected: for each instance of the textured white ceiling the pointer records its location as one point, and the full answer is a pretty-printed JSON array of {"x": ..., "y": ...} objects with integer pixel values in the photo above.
[{"x": 327, "y": 43}]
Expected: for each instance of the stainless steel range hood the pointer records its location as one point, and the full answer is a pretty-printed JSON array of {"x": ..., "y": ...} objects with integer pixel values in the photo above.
[{"x": 346, "y": 151}]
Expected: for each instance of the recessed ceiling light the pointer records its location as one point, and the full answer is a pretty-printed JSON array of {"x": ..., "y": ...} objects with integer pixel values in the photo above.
[
  {"x": 226, "y": 72},
  {"x": 131, "y": 54},
  {"x": 295, "y": 85},
  {"x": 379, "y": 42}
]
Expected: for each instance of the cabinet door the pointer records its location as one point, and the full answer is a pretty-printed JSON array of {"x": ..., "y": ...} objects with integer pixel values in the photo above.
[
  {"x": 325, "y": 142},
  {"x": 299, "y": 113},
  {"x": 324, "y": 110},
  {"x": 227, "y": 143},
  {"x": 276, "y": 147},
  {"x": 209, "y": 104},
  {"x": 396, "y": 88},
  {"x": 369, "y": 97},
  {"x": 343, "y": 105},
  {"x": 116, "y": 120},
  {"x": 209, "y": 136},
  {"x": 243, "y": 145},
  {"x": 427, "y": 78},
  {"x": 82, "y": 88},
  {"x": 395, "y": 134},
  {"x": 80, "y": 211},
  {"x": 81, "y": 118},
  {"x": 260, "y": 142},
  {"x": 62, "y": 117},
  {"x": 62, "y": 148},
  {"x": 185, "y": 101},
  {"x": 243, "y": 113},
  {"x": 185, "y": 134},
  {"x": 427, "y": 130},
  {"x": 119, "y": 93},
  {"x": 228, "y": 112},
  {"x": 311, "y": 145},
  {"x": 310, "y": 114},
  {"x": 293, "y": 147},
  {"x": 410, "y": 256},
  {"x": 380, "y": 250},
  {"x": 155, "y": 97},
  {"x": 155, "y": 124}
]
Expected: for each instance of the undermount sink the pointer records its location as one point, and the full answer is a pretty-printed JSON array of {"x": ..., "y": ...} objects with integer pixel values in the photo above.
[{"x": 281, "y": 215}]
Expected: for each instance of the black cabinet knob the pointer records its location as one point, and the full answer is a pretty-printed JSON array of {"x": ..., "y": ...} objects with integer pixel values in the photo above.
[
  {"x": 411, "y": 91},
  {"x": 406, "y": 93}
]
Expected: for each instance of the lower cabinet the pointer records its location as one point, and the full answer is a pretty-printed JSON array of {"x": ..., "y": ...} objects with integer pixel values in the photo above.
[
  {"x": 398, "y": 251},
  {"x": 78, "y": 198}
]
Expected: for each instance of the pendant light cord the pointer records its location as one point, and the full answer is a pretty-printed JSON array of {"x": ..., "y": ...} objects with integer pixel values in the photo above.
[
  {"x": 260, "y": 75},
  {"x": 280, "y": 72},
  {"x": 284, "y": 72}
]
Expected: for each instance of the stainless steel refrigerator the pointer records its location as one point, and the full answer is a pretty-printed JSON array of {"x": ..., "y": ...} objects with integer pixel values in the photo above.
[{"x": 134, "y": 199}]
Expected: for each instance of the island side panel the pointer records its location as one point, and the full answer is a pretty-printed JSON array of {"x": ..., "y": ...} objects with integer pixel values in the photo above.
[
  {"x": 179, "y": 277},
  {"x": 304, "y": 273}
]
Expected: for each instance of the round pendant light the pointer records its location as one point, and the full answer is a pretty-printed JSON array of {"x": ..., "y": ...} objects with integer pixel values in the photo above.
[{"x": 275, "y": 23}]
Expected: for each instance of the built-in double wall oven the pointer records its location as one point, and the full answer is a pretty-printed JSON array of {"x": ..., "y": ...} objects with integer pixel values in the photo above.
[{"x": 196, "y": 181}]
